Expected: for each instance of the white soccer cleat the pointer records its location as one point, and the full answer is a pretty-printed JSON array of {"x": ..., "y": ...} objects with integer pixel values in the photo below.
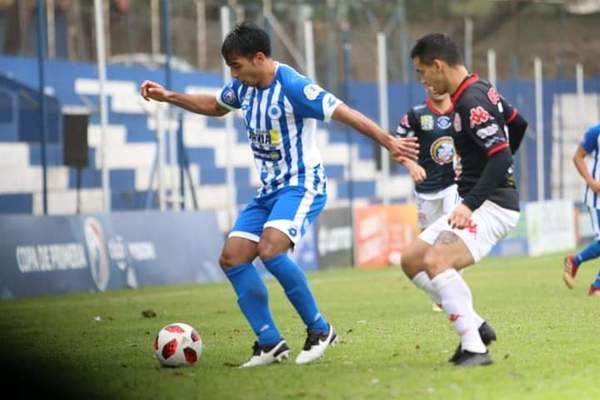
[
  {"x": 316, "y": 344},
  {"x": 267, "y": 354}
]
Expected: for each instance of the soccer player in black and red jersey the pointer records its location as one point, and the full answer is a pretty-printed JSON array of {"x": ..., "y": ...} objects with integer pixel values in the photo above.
[{"x": 483, "y": 122}]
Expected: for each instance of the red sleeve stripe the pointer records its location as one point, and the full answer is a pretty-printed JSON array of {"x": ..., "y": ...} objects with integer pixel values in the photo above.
[
  {"x": 496, "y": 149},
  {"x": 512, "y": 116}
]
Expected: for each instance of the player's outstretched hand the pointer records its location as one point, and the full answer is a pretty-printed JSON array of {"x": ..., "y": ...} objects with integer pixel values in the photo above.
[
  {"x": 460, "y": 217},
  {"x": 401, "y": 148},
  {"x": 417, "y": 173},
  {"x": 152, "y": 90},
  {"x": 595, "y": 186}
]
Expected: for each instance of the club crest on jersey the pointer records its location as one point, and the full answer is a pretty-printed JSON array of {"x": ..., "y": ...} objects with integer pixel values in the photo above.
[
  {"x": 442, "y": 150},
  {"x": 274, "y": 111},
  {"x": 478, "y": 115},
  {"x": 443, "y": 122},
  {"x": 457, "y": 123},
  {"x": 228, "y": 96},
  {"x": 311, "y": 91},
  {"x": 426, "y": 122}
]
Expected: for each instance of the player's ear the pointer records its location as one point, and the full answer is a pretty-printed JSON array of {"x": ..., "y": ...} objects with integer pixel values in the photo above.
[
  {"x": 259, "y": 57},
  {"x": 438, "y": 65}
]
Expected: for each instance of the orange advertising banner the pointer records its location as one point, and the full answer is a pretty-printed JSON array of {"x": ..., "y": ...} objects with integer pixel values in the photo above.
[{"x": 382, "y": 232}]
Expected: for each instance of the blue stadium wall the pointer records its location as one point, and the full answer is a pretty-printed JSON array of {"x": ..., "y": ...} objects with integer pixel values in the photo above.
[{"x": 72, "y": 84}]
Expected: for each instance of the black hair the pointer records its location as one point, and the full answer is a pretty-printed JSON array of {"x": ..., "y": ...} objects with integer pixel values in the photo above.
[
  {"x": 436, "y": 46},
  {"x": 245, "y": 40}
]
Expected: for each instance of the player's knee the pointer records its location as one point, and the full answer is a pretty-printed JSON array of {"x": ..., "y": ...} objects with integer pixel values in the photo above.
[
  {"x": 411, "y": 263},
  {"x": 228, "y": 260},
  {"x": 435, "y": 261},
  {"x": 267, "y": 249}
]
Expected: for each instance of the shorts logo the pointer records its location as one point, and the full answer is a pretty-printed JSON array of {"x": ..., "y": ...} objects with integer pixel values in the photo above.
[
  {"x": 274, "y": 111},
  {"x": 479, "y": 116},
  {"x": 442, "y": 150},
  {"x": 443, "y": 122},
  {"x": 427, "y": 122},
  {"x": 493, "y": 95},
  {"x": 457, "y": 123},
  {"x": 311, "y": 91},
  {"x": 293, "y": 232},
  {"x": 472, "y": 227}
]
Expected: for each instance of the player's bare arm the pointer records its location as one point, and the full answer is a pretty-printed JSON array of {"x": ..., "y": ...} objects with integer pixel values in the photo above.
[
  {"x": 579, "y": 161},
  {"x": 398, "y": 148},
  {"x": 196, "y": 103},
  {"x": 417, "y": 173}
]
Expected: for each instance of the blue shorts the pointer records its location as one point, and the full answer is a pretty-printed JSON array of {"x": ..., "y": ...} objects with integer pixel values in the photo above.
[{"x": 289, "y": 210}]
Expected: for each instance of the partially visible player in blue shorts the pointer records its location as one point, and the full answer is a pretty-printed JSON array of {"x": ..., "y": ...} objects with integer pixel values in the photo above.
[
  {"x": 587, "y": 164},
  {"x": 277, "y": 105}
]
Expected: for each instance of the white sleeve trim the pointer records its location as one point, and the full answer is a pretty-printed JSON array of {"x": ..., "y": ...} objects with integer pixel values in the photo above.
[
  {"x": 329, "y": 113},
  {"x": 244, "y": 235}
]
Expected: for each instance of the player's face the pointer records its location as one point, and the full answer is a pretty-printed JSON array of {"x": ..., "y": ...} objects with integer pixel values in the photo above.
[
  {"x": 434, "y": 95},
  {"x": 246, "y": 69},
  {"x": 431, "y": 76}
]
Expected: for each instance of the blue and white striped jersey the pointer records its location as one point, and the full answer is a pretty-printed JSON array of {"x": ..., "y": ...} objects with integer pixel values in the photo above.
[
  {"x": 277, "y": 117},
  {"x": 590, "y": 143}
]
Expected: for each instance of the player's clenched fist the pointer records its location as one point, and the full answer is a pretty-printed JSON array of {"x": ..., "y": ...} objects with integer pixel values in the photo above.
[{"x": 152, "y": 90}]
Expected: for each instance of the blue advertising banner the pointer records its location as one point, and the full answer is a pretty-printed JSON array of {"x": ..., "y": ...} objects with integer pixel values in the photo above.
[{"x": 44, "y": 255}]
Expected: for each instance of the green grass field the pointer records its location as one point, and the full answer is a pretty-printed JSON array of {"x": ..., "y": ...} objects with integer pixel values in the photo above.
[{"x": 393, "y": 346}]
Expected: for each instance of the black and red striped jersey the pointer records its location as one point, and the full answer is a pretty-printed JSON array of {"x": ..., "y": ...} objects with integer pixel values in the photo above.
[
  {"x": 433, "y": 129},
  {"x": 480, "y": 130}
]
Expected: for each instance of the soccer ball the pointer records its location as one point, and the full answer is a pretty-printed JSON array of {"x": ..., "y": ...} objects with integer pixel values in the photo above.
[{"x": 177, "y": 345}]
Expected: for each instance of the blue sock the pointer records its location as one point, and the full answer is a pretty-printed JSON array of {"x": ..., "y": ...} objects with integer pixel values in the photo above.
[
  {"x": 253, "y": 300},
  {"x": 589, "y": 253},
  {"x": 597, "y": 281},
  {"x": 294, "y": 282}
]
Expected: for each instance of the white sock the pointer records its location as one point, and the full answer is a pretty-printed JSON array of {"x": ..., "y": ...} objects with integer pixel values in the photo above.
[
  {"x": 422, "y": 281},
  {"x": 458, "y": 304}
]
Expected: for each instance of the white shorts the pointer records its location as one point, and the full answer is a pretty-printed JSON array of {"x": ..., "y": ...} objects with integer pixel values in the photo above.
[
  {"x": 490, "y": 224},
  {"x": 431, "y": 206}
]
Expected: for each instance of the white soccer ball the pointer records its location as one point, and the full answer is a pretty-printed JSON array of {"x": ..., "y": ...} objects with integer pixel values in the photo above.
[{"x": 178, "y": 345}]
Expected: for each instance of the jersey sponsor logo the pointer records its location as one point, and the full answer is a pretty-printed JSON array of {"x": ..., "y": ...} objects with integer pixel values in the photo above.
[
  {"x": 493, "y": 95},
  {"x": 274, "y": 112},
  {"x": 311, "y": 91},
  {"x": 228, "y": 96},
  {"x": 271, "y": 137},
  {"x": 478, "y": 115},
  {"x": 443, "y": 122},
  {"x": 488, "y": 131},
  {"x": 426, "y": 122},
  {"x": 442, "y": 150},
  {"x": 457, "y": 123},
  {"x": 264, "y": 144}
]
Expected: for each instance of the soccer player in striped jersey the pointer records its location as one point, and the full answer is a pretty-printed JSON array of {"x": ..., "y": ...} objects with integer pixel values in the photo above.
[
  {"x": 277, "y": 105},
  {"x": 587, "y": 164}
]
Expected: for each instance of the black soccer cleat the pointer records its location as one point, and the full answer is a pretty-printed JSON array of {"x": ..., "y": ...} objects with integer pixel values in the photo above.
[
  {"x": 487, "y": 335},
  {"x": 316, "y": 344},
  {"x": 267, "y": 354},
  {"x": 467, "y": 358}
]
